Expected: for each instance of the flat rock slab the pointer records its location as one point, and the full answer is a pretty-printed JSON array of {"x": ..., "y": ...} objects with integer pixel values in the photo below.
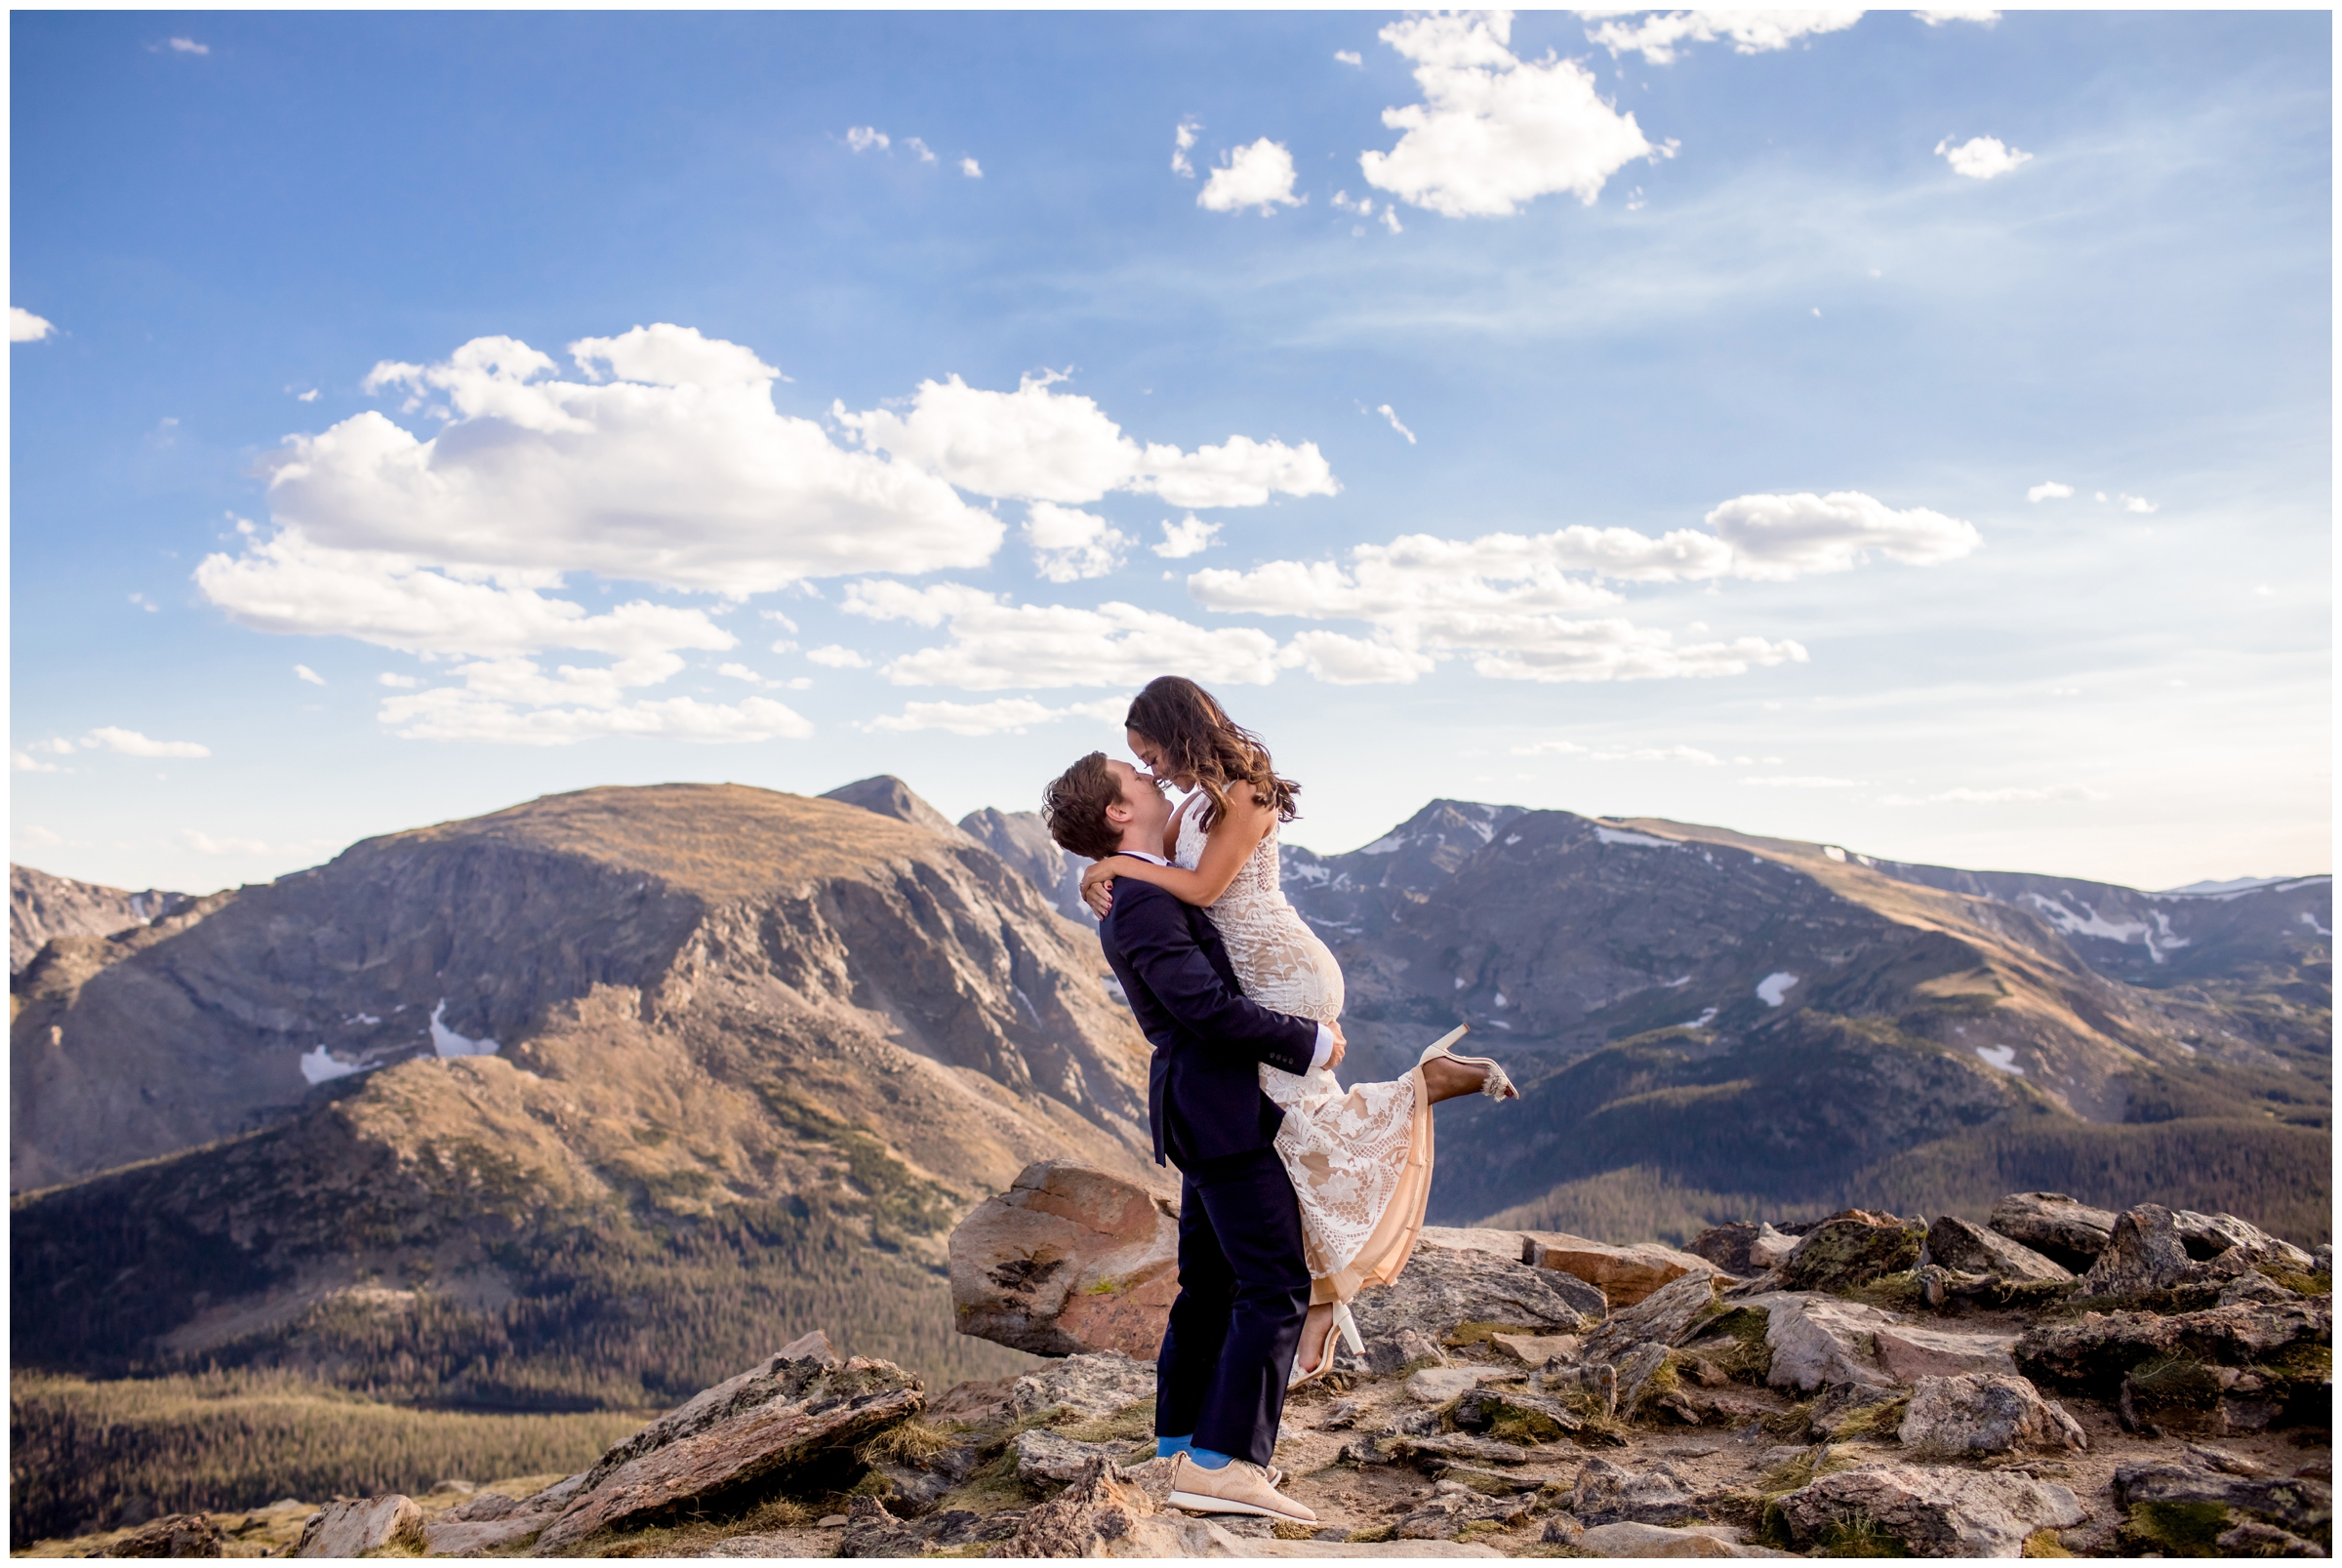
[
  {"x": 1907, "y": 1352},
  {"x": 469, "y": 1538},
  {"x": 1045, "y": 1457},
  {"x": 2093, "y": 1354},
  {"x": 1659, "y": 1318},
  {"x": 352, "y": 1529},
  {"x": 1536, "y": 1350},
  {"x": 2063, "y": 1230},
  {"x": 1971, "y": 1249},
  {"x": 1934, "y": 1513},
  {"x": 817, "y": 1413},
  {"x": 1090, "y": 1386},
  {"x": 1626, "y": 1539},
  {"x": 1437, "y": 1385},
  {"x": 1624, "y": 1274},
  {"x": 1068, "y": 1259}
]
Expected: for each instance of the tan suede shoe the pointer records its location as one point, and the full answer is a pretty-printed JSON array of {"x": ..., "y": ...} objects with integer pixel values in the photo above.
[{"x": 1238, "y": 1487}]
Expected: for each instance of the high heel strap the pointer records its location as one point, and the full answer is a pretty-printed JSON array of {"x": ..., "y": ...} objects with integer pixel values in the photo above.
[
  {"x": 1439, "y": 1047},
  {"x": 1348, "y": 1326}
]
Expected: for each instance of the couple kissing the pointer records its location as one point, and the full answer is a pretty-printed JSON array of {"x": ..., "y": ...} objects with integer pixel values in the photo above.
[{"x": 1295, "y": 1192}]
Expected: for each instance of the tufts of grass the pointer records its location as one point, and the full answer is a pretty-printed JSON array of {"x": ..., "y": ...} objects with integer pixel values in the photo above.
[
  {"x": 2175, "y": 1529},
  {"x": 905, "y": 1444},
  {"x": 1879, "y": 1423},
  {"x": 1857, "y": 1534},
  {"x": 1896, "y": 1292},
  {"x": 1130, "y": 1423},
  {"x": 2044, "y": 1544},
  {"x": 2319, "y": 1284}
]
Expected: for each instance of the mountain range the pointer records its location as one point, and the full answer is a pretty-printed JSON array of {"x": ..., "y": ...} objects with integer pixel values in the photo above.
[{"x": 581, "y": 1102}]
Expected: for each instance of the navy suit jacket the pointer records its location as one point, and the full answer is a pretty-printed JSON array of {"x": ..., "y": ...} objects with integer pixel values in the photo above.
[{"x": 1203, "y": 1085}]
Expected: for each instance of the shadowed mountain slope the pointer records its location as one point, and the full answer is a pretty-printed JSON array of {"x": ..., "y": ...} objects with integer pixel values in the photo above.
[
  {"x": 751, "y": 1055},
  {"x": 41, "y": 906}
]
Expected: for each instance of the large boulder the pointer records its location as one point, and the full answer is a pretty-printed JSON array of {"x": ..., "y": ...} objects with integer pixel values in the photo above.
[
  {"x": 1624, "y": 1274},
  {"x": 2229, "y": 1368},
  {"x": 1068, "y": 1259},
  {"x": 1445, "y": 1288},
  {"x": 2061, "y": 1229},
  {"x": 1110, "y": 1513},
  {"x": 1971, "y": 1249},
  {"x": 1661, "y": 1318},
  {"x": 1907, "y": 1352},
  {"x": 790, "y": 1425},
  {"x": 2205, "y": 1497},
  {"x": 2143, "y": 1252},
  {"x": 1928, "y": 1513},
  {"x": 1980, "y": 1413},
  {"x": 1818, "y": 1341},
  {"x": 1853, "y": 1248},
  {"x": 487, "y": 1520},
  {"x": 1043, "y": 1458},
  {"x": 354, "y": 1528},
  {"x": 1628, "y": 1540}
]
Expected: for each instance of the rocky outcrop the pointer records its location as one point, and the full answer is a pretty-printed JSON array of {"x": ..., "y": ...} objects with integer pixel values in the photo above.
[
  {"x": 1815, "y": 1341},
  {"x": 2096, "y": 1353},
  {"x": 1444, "y": 1288},
  {"x": 1609, "y": 1494},
  {"x": 1628, "y": 1540},
  {"x": 1022, "y": 839},
  {"x": 1624, "y": 1274},
  {"x": 2254, "y": 1513},
  {"x": 2069, "y": 1232},
  {"x": 1981, "y": 1412},
  {"x": 41, "y": 906},
  {"x": 354, "y": 1529},
  {"x": 1084, "y": 1387},
  {"x": 1917, "y": 1512},
  {"x": 174, "y": 1535},
  {"x": 1658, "y": 1318},
  {"x": 889, "y": 797},
  {"x": 2150, "y": 1248},
  {"x": 1955, "y": 1243},
  {"x": 792, "y": 1424},
  {"x": 1853, "y": 1248},
  {"x": 1068, "y": 1259}
]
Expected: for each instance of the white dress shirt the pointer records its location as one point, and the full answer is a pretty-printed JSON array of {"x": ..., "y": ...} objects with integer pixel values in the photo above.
[{"x": 1325, "y": 1036}]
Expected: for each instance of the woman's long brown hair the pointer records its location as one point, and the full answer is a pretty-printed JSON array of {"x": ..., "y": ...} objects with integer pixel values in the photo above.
[{"x": 1195, "y": 737}]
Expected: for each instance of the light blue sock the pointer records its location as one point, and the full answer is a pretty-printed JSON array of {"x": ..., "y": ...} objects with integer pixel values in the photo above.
[
  {"x": 1165, "y": 1447},
  {"x": 1209, "y": 1458}
]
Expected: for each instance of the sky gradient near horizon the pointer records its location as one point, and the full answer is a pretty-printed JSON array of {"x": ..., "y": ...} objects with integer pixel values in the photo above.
[{"x": 1906, "y": 430}]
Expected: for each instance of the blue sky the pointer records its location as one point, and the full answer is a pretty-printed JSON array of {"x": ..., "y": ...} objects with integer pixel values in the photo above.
[{"x": 1906, "y": 433}]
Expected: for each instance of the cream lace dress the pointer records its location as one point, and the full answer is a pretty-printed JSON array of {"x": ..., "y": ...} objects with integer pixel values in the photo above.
[{"x": 1361, "y": 1158}]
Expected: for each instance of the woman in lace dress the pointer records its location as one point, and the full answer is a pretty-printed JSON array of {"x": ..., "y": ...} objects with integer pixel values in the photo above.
[{"x": 1361, "y": 1158}]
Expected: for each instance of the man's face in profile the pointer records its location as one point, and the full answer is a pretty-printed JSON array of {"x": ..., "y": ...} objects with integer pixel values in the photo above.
[{"x": 1142, "y": 800}]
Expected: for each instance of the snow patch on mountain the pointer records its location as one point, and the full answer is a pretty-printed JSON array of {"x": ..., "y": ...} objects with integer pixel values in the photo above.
[
  {"x": 1773, "y": 989},
  {"x": 447, "y": 1043}
]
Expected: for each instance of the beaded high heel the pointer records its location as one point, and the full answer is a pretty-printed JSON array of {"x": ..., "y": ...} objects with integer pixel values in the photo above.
[{"x": 1494, "y": 1084}]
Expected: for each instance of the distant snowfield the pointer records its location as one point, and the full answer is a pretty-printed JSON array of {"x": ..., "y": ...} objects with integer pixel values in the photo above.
[
  {"x": 320, "y": 1067},
  {"x": 447, "y": 1043},
  {"x": 1773, "y": 989},
  {"x": 2003, "y": 1057},
  {"x": 1619, "y": 835}
]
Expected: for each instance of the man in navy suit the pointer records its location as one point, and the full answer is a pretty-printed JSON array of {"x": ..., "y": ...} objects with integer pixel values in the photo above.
[{"x": 1243, "y": 1284}]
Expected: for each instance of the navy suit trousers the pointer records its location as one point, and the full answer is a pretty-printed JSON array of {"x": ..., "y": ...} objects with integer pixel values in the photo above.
[{"x": 1244, "y": 1291}]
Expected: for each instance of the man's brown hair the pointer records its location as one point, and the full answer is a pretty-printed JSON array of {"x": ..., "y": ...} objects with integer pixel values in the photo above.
[{"x": 1075, "y": 808}]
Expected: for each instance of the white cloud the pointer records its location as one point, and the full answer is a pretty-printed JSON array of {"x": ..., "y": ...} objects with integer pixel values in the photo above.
[
  {"x": 679, "y": 471},
  {"x": 1993, "y": 797},
  {"x": 1182, "y": 142},
  {"x": 1258, "y": 176},
  {"x": 837, "y": 656},
  {"x": 1390, "y": 220},
  {"x": 1657, "y": 35},
  {"x": 2048, "y": 490},
  {"x": 146, "y": 604},
  {"x": 862, "y": 138},
  {"x": 971, "y": 167},
  {"x": 309, "y": 396},
  {"x": 308, "y": 675},
  {"x": 1341, "y": 660},
  {"x": 131, "y": 743},
  {"x": 1036, "y": 444},
  {"x": 26, "y": 762},
  {"x": 920, "y": 147},
  {"x": 1975, "y": 14},
  {"x": 1350, "y": 57},
  {"x": 1778, "y": 537},
  {"x": 1385, "y": 410},
  {"x": 24, "y": 327},
  {"x": 1068, "y": 545},
  {"x": 1807, "y": 782},
  {"x": 188, "y": 46},
  {"x": 1010, "y": 714},
  {"x": 1494, "y": 131},
  {"x": 400, "y": 682},
  {"x": 995, "y": 645},
  {"x": 1981, "y": 157},
  {"x": 1548, "y": 748},
  {"x": 1190, "y": 536},
  {"x": 2137, "y": 503}
]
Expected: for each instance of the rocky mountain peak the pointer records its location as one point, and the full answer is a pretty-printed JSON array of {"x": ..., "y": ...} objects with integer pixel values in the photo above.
[{"x": 890, "y": 796}]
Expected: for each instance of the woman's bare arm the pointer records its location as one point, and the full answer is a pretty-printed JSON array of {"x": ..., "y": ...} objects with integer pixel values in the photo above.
[{"x": 1230, "y": 842}]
